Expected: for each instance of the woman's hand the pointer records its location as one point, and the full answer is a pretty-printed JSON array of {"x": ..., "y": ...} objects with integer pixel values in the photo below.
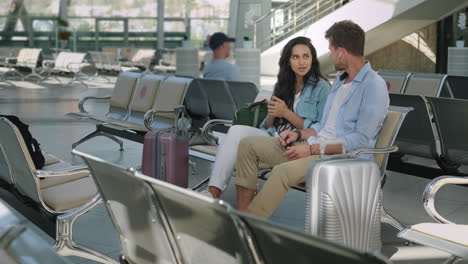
[{"x": 277, "y": 107}]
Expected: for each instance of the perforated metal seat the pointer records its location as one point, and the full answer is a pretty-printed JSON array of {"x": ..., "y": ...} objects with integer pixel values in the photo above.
[{"x": 68, "y": 195}]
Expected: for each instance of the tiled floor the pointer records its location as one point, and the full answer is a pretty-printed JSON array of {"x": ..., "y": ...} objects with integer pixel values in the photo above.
[{"x": 43, "y": 107}]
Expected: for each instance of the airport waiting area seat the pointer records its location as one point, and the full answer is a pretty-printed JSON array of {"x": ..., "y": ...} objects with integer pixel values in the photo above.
[
  {"x": 98, "y": 60},
  {"x": 19, "y": 244},
  {"x": 427, "y": 84},
  {"x": 111, "y": 62},
  {"x": 416, "y": 136},
  {"x": 452, "y": 130},
  {"x": 139, "y": 103},
  {"x": 58, "y": 193},
  {"x": 242, "y": 92},
  {"x": 223, "y": 100},
  {"x": 66, "y": 62},
  {"x": 149, "y": 102},
  {"x": 396, "y": 81},
  {"x": 432, "y": 85},
  {"x": 140, "y": 58},
  {"x": 455, "y": 87},
  {"x": 27, "y": 58},
  {"x": 444, "y": 235},
  {"x": 431, "y": 142},
  {"x": 192, "y": 228},
  {"x": 5, "y": 53},
  {"x": 384, "y": 146},
  {"x": 118, "y": 107}
]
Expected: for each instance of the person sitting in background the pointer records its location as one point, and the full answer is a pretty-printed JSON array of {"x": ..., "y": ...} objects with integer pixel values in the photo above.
[
  {"x": 206, "y": 43},
  {"x": 353, "y": 115},
  {"x": 219, "y": 68},
  {"x": 298, "y": 100}
]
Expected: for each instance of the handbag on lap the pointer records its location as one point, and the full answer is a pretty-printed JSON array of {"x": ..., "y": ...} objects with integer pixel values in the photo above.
[{"x": 252, "y": 115}]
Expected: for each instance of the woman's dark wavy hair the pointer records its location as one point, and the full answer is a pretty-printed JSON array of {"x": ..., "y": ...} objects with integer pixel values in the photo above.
[{"x": 285, "y": 86}]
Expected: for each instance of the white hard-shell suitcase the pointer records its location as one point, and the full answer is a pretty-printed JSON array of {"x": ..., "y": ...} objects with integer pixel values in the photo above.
[{"x": 343, "y": 202}]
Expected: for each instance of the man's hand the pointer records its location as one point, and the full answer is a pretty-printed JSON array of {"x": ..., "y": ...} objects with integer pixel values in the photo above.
[
  {"x": 287, "y": 137},
  {"x": 297, "y": 152},
  {"x": 277, "y": 107}
]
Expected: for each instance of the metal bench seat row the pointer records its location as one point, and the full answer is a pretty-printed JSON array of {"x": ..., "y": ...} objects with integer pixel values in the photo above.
[
  {"x": 163, "y": 223},
  {"x": 444, "y": 235},
  {"x": 217, "y": 100},
  {"x": 18, "y": 243},
  {"x": 65, "y": 62},
  {"x": 414, "y": 83},
  {"x": 212, "y": 105},
  {"x": 384, "y": 146},
  {"x": 52, "y": 197},
  {"x": 435, "y": 131},
  {"x": 134, "y": 61},
  {"x": 433, "y": 85},
  {"x": 141, "y": 102},
  {"x": 134, "y": 96},
  {"x": 28, "y": 58}
]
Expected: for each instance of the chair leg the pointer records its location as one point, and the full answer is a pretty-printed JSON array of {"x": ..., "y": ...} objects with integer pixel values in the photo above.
[
  {"x": 95, "y": 134},
  {"x": 49, "y": 76},
  {"x": 2, "y": 79},
  {"x": 15, "y": 72},
  {"x": 64, "y": 243},
  {"x": 193, "y": 165},
  {"x": 388, "y": 219},
  {"x": 33, "y": 75},
  {"x": 453, "y": 260},
  {"x": 201, "y": 184},
  {"x": 97, "y": 75},
  {"x": 76, "y": 79}
]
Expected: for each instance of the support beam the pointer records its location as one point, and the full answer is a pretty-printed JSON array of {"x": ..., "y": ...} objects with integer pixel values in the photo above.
[
  {"x": 27, "y": 25},
  {"x": 160, "y": 45},
  {"x": 14, "y": 11}
]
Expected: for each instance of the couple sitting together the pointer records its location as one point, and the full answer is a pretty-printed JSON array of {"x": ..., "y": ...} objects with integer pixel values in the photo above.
[{"x": 306, "y": 118}]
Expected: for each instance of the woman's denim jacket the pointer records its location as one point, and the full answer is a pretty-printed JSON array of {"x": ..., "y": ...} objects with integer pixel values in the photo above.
[{"x": 310, "y": 105}]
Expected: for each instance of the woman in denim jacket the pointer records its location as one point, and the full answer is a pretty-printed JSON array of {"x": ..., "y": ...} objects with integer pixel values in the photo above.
[{"x": 298, "y": 100}]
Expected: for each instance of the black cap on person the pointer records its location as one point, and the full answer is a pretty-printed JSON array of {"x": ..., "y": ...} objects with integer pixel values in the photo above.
[{"x": 218, "y": 39}]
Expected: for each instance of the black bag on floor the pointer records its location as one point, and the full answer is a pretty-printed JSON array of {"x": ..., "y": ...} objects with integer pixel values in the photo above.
[{"x": 31, "y": 143}]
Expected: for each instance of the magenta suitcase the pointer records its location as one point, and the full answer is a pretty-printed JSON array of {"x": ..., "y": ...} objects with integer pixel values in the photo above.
[{"x": 165, "y": 156}]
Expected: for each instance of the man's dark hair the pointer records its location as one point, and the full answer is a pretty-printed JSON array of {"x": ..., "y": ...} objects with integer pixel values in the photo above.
[{"x": 348, "y": 35}]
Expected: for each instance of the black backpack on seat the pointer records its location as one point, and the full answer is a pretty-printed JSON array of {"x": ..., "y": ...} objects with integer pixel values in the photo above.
[{"x": 31, "y": 143}]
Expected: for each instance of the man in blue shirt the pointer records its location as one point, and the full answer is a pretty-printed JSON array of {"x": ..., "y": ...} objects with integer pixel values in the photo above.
[
  {"x": 353, "y": 115},
  {"x": 219, "y": 68}
]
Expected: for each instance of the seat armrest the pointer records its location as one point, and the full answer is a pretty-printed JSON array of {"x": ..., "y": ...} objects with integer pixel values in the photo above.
[
  {"x": 72, "y": 214},
  {"x": 75, "y": 66},
  {"x": 149, "y": 115},
  {"x": 431, "y": 190},
  {"x": 48, "y": 64},
  {"x": 360, "y": 151},
  {"x": 208, "y": 127},
  {"x": 63, "y": 172},
  {"x": 84, "y": 99},
  {"x": 11, "y": 60}
]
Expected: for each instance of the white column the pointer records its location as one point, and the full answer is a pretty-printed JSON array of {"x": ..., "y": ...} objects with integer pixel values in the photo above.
[{"x": 160, "y": 45}]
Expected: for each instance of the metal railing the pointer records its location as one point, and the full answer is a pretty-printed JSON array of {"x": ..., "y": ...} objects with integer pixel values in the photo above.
[
  {"x": 289, "y": 18},
  {"x": 93, "y": 33}
]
